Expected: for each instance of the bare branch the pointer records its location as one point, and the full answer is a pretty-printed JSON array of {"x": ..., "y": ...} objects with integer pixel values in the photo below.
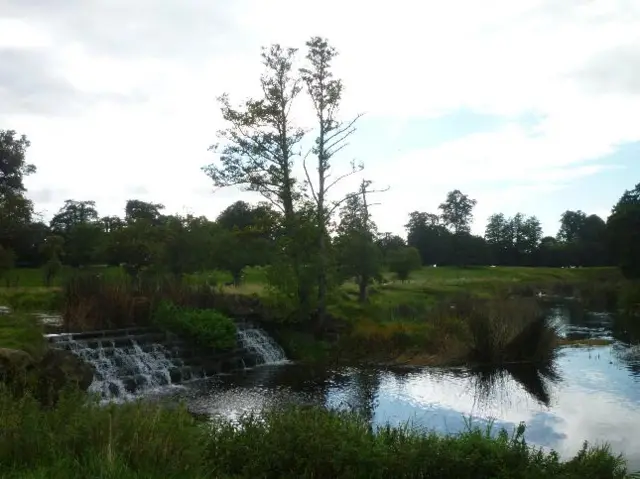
[
  {"x": 306, "y": 172},
  {"x": 358, "y": 193}
]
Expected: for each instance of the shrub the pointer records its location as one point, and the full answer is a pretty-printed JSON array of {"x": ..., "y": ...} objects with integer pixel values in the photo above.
[
  {"x": 141, "y": 439},
  {"x": 207, "y": 327},
  {"x": 507, "y": 330}
]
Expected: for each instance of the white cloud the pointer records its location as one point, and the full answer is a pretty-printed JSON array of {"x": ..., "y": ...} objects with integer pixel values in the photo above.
[{"x": 149, "y": 75}]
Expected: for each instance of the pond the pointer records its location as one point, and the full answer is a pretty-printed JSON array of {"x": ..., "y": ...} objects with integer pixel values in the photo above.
[{"x": 591, "y": 393}]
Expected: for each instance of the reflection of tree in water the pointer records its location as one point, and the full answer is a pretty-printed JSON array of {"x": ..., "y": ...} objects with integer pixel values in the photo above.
[
  {"x": 534, "y": 378},
  {"x": 361, "y": 393}
]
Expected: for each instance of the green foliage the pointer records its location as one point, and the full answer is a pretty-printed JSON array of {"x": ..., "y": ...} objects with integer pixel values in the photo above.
[
  {"x": 513, "y": 240},
  {"x": 206, "y": 326},
  {"x": 624, "y": 231},
  {"x": 135, "y": 440},
  {"x": 14, "y": 207},
  {"x": 7, "y": 261},
  {"x": 31, "y": 299},
  {"x": 457, "y": 212},
  {"x": 629, "y": 298},
  {"x": 23, "y": 332},
  {"x": 403, "y": 261},
  {"x": 87, "y": 440}
]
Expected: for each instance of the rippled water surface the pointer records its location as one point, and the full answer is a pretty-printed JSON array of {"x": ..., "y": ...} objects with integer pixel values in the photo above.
[{"x": 593, "y": 393}]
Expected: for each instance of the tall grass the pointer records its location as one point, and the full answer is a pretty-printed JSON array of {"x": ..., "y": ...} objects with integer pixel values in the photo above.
[
  {"x": 81, "y": 439},
  {"x": 507, "y": 330}
]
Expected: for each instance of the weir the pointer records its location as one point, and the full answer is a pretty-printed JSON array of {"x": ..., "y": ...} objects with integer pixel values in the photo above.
[{"x": 131, "y": 362}]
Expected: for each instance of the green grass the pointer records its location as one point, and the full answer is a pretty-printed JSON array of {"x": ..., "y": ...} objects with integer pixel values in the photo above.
[
  {"x": 20, "y": 331},
  {"x": 31, "y": 298},
  {"x": 142, "y": 440}
]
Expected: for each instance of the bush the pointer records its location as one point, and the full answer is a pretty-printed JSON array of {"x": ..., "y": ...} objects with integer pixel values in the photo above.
[
  {"x": 629, "y": 298},
  {"x": 506, "y": 330},
  {"x": 207, "y": 327},
  {"x": 76, "y": 438}
]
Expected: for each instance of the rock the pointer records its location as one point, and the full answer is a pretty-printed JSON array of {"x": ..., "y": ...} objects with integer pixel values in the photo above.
[
  {"x": 14, "y": 360},
  {"x": 59, "y": 369},
  {"x": 45, "y": 378},
  {"x": 16, "y": 367}
]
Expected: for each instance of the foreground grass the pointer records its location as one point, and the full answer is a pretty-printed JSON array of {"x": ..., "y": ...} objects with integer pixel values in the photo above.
[{"x": 148, "y": 440}]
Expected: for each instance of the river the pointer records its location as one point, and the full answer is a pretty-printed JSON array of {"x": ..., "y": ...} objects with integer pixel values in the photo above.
[{"x": 591, "y": 393}]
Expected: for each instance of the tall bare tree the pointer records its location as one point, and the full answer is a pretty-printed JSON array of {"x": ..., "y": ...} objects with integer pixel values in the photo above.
[{"x": 326, "y": 94}]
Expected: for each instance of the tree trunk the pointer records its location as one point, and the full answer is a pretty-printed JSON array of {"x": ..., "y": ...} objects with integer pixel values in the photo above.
[{"x": 363, "y": 282}]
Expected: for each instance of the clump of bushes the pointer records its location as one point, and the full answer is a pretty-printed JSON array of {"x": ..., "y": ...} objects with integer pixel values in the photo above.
[
  {"x": 629, "y": 298},
  {"x": 207, "y": 327},
  {"x": 504, "y": 330},
  {"x": 76, "y": 439}
]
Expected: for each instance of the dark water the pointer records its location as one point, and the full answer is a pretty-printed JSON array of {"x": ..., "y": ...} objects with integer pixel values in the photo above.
[{"x": 591, "y": 394}]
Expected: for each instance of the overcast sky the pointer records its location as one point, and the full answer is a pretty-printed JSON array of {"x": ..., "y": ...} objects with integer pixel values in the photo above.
[{"x": 527, "y": 105}]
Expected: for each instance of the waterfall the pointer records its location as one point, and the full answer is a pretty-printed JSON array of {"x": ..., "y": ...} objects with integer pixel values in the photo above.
[
  {"x": 262, "y": 345},
  {"x": 123, "y": 368},
  {"x": 131, "y": 362}
]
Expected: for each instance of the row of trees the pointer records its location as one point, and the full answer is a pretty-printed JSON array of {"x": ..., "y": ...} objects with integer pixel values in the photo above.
[
  {"x": 445, "y": 238},
  {"x": 311, "y": 240}
]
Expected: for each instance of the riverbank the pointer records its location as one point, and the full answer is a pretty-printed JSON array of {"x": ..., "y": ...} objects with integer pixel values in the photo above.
[
  {"x": 150, "y": 440},
  {"x": 441, "y": 316}
]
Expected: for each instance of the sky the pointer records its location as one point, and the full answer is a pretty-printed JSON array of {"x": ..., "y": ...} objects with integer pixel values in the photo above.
[{"x": 530, "y": 106}]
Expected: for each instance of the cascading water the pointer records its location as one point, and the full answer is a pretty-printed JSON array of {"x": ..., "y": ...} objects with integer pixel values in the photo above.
[
  {"x": 262, "y": 345},
  {"x": 123, "y": 368},
  {"x": 132, "y": 362}
]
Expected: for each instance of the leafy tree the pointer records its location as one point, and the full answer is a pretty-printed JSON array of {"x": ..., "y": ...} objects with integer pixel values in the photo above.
[
  {"x": 136, "y": 247},
  {"x": 111, "y": 223},
  {"x": 52, "y": 249},
  {"x": 387, "y": 242},
  {"x": 7, "y": 262},
  {"x": 571, "y": 223},
  {"x": 83, "y": 243},
  {"x": 403, "y": 261},
  {"x": 73, "y": 213},
  {"x": 430, "y": 237},
  {"x": 358, "y": 253},
  {"x": 513, "y": 240},
  {"x": 457, "y": 212},
  {"x": 136, "y": 210},
  {"x": 457, "y": 215},
  {"x": 260, "y": 144},
  {"x": 15, "y": 209},
  {"x": 623, "y": 226},
  {"x": 28, "y": 239},
  {"x": 550, "y": 252}
]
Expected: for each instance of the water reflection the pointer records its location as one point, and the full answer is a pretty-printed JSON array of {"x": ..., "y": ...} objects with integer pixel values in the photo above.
[
  {"x": 587, "y": 393},
  {"x": 534, "y": 379}
]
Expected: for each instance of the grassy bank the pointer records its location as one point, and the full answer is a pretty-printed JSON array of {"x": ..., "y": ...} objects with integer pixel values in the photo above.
[
  {"x": 144, "y": 440},
  {"x": 22, "y": 332},
  {"x": 440, "y": 316}
]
